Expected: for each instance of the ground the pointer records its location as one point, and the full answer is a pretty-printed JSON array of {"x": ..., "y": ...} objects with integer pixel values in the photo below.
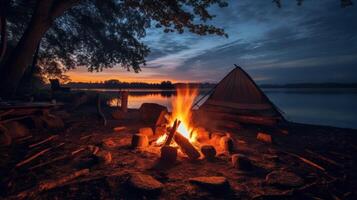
[{"x": 310, "y": 162}]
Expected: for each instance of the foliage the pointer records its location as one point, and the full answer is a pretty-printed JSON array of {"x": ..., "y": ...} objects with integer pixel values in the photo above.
[{"x": 100, "y": 34}]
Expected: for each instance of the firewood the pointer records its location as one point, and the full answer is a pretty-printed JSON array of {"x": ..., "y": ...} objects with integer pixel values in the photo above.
[
  {"x": 172, "y": 133},
  {"x": 43, "y": 141},
  {"x": 139, "y": 141},
  {"x": 50, "y": 184},
  {"x": 186, "y": 147},
  {"x": 33, "y": 157},
  {"x": 324, "y": 158},
  {"x": 63, "y": 157},
  {"x": 309, "y": 162}
]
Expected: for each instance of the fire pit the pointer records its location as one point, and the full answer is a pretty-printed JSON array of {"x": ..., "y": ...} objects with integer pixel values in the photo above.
[{"x": 181, "y": 137}]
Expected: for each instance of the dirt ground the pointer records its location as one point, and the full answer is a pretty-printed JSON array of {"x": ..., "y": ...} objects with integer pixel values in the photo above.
[{"x": 322, "y": 158}]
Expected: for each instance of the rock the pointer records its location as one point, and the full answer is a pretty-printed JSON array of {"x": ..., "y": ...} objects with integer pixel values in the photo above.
[
  {"x": 145, "y": 183},
  {"x": 211, "y": 182},
  {"x": 168, "y": 154},
  {"x": 282, "y": 178},
  {"x": 265, "y": 138},
  {"x": 16, "y": 129},
  {"x": 119, "y": 128},
  {"x": 139, "y": 141},
  {"x": 215, "y": 138},
  {"x": 160, "y": 130},
  {"x": 104, "y": 157},
  {"x": 202, "y": 135},
  {"x": 118, "y": 114},
  {"x": 110, "y": 143},
  {"x": 161, "y": 119},
  {"x": 146, "y": 131},
  {"x": 226, "y": 143},
  {"x": 150, "y": 112},
  {"x": 52, "y": 121},
  {"x": 241, "y": 162},
  {"x": 208, "y": 151}
]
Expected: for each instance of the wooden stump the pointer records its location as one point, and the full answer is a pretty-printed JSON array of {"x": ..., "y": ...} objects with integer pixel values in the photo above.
[
  {"x": 241, "y": 162},
  {"x": 227, "y": 144},
  {"x": 168, "y": 154},
  {"x": 208, "y": 151},
  {"x": 146, "y": 131},
  {"x": 139, "y": 141}
]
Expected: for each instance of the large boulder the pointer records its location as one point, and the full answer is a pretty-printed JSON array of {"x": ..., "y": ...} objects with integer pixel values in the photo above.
[{"x": 151, "y": 112}]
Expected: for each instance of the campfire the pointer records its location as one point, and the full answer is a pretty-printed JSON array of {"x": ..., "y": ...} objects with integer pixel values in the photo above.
[{"x": 182, "y": 138}]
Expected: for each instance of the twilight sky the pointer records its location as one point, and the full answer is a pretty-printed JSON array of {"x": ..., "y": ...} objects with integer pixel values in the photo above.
[{"x": 315, "y": 42}]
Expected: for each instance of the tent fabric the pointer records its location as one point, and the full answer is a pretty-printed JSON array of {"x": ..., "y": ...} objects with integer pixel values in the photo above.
[{"x": 238, "y": 95}]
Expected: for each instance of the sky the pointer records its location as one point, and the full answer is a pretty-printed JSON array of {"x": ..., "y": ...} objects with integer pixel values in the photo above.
[{"x": 315, "y": 42}]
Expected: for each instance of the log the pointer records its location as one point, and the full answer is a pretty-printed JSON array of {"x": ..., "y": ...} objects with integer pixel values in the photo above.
[
  {"x": 139, "y": 141},
  {"x": 33, "y": 157},
  {"x": 186, "y": 147},
  {"x": 43, "y": 141},
  {"x": 309, "y": 162},
  {"x": 50, "y": 184},
  {"x": 172, "y": 133},
  {"x": 332, "y": 162},
  {"x": 57, "y": 159}
]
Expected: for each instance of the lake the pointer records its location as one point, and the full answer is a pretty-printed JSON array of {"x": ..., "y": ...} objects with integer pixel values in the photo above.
[{"x": 332, "y": 107}]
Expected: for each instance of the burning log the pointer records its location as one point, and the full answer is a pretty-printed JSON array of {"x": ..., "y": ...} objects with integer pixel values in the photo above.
[
  {"x": 227, "y": 144},
  {"x": 186, "y": 147},
  {"x": 172, "y": 133}
]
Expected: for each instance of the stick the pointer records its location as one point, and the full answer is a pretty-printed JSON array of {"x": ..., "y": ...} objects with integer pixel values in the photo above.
[
  {"x": 33, "y": 157},
  {"x": 57, "y": 159},
  {"x": 6, "y": 112},
  {"x": 306, "y": 161},
  {"x": 172, "y": 133},
  {"x": 43, "y": 141},
  {"x": 51, "y": 184},
  {"x": 324, "y": 158}
]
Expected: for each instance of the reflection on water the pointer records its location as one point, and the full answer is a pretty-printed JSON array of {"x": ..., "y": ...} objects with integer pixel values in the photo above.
[{"x": 334, "y": 107}]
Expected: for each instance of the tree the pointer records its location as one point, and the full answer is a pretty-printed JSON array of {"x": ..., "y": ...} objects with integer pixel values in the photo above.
[{"x": 94, "y": 33}]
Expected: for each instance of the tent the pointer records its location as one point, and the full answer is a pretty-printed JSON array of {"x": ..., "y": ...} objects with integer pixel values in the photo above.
[{"x": 236, "y": 98}]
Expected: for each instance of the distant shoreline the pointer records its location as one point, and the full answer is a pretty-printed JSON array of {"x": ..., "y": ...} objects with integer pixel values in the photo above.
[{"x": 209, "y": 86}]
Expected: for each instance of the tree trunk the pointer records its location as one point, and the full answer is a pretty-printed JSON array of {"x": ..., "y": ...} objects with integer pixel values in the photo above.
[
  {"x": 21, "y": 56},
  {"x": 3, "y": 35}
]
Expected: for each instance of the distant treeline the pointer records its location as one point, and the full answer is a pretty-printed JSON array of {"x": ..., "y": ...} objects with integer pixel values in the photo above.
[
  {"x": 113, "y": 84},
  {"x": 311, "y": 85}
]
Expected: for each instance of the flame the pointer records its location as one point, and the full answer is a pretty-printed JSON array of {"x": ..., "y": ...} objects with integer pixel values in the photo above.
[{"x": 181, "y": 110}]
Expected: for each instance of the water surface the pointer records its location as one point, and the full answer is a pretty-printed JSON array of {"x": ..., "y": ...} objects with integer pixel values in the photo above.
[{"x": 333, "y": 107}]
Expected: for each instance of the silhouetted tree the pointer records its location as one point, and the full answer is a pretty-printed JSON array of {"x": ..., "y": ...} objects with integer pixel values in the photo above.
[{"x": 94, "y": 33}]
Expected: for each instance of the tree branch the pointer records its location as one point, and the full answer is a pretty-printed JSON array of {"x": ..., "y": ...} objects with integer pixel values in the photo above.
[{"x": 61, "y": 6}]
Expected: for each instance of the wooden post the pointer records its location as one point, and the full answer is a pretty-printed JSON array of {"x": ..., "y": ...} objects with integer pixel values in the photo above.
[{"x": 124, "y": 101}]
